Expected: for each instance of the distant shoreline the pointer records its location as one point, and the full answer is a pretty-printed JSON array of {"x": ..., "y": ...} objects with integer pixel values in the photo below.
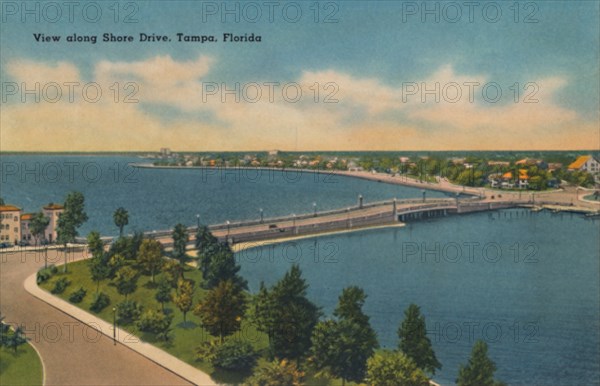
[{"x": 375, "y": 177}]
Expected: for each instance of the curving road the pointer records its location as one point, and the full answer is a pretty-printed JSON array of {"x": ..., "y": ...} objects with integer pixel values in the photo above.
[{"x": 72, "y": 353}]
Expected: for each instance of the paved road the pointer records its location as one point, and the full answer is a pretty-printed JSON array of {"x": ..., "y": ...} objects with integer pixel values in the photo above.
[{"x": 73, "y": 354}]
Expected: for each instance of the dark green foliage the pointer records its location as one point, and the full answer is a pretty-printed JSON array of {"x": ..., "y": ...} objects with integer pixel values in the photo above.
[
  {"x": 163, "y": 292},
  {"x": 101, "y": 301},
  {"x": 222, "y": 310},
  {"x": 180, "y": 239},
  {"x": 204, "y": 240},
  {"x": 128, "y": 311},
  {"x": 4, "y": 329},
  {"x": 77, "y": 296},
  {"x": 60, "y": 285},
  {"x": 126, "y": 281},
  {"x": 15, "y": 339},
  {"x": 45, "y": 273},
  {"x": 72, "y": 218},
  {"x": 232, "y": 355},
  {"x": 127, "y": 247},
  {"x": 155, "y": 322},
  {"x": 393, "y": 368},
  {"x": 218, "y": 264},
  {"x": 121, "y": 218},
  {"x": 414, "y": 341},
  {"x": 480, "y": 369},
  {"x": 341, "y": 347},
  {"x": 38, "y": 225},
  {"x": 288, "y": 316}
]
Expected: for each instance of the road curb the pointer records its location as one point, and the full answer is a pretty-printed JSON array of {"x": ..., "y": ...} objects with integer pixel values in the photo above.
[{"x": 153, "y": 353}]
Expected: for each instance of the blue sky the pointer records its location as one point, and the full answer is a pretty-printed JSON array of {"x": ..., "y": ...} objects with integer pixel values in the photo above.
[{"x": 371, "y": 54}]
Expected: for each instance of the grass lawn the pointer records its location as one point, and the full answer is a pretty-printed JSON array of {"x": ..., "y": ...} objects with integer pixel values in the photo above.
[
  {"x": 185, "y": 336},
  {"x": 21, "y": 368}
]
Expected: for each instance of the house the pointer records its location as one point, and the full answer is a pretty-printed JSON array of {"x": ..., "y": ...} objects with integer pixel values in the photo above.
[
  {"x": 495, "y": 180},
  {"x": 532, "y": 162},
  {"x": 586, "y": 163},
  {"x": 10, "y": 224},
  {"x": 552, "y": 166},
  {"x": 25, "y": 232},
  {"x": 507, "y": 181},
  {"x": 523, "y": 181}
]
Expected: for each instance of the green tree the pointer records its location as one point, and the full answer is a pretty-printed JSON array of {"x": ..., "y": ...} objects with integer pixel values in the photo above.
[
  {"x": 204, "y": 240},
  {"x": 150, "y": 257},
  {"x": 277, "y": 373},
  {"x": 393, "y": 368},
  {"x": 95, "y": 244},
  {"x": 172, "y": 272},
  {"x": 155, "y": 322},
  {"x": 15, "y": 339},
  {"x": 222, "y": 309},
  {"x": 480, "y": 369},
  {"x": 72, "y": 217},
  {"x": 184, "y": 297},
  {"x": 98, "y": 264},
  {"x": 264, "y": 311},
  {"x": 292, "y": 317},
  {"x": 163, "y": 293},
  {"x": 121, "y": 218},
  {"x": 180, "y": 239},
  {"x": 4, "y": 329},
  {"x": 414, "y": 341},
  {"x": 126, "y": 281},
  {"x": 341, "y": 347},
  {"x": 218, "y": 264},
  {"x": 38, "y": 225}
]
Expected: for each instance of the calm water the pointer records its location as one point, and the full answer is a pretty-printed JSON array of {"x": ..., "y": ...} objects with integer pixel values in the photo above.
[
  {"x": 158, "y": 199},
  {"x": 527, "y": 283}
]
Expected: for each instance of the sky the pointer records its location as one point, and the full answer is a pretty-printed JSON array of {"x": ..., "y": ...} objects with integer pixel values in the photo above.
[{"x": 330, "y": 75}]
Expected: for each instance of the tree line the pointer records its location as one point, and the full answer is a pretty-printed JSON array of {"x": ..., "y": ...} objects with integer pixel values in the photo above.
[{"x": 342, "y": 346}]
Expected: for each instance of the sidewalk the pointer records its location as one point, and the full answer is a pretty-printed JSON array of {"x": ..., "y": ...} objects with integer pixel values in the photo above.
[{"x": 125, "y": 338}]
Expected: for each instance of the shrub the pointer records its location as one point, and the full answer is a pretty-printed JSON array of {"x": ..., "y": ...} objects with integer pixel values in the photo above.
[
  {"x": 60, "y": 285},
  {"x": 231, "y": 355},
  {"x": 46, "y": 273},
  {"x": 128, "y": 311},
  {"x": 155, "y": 322},
  {"x": 100, "y": 302},
  {"x": 77, "y": 296}
]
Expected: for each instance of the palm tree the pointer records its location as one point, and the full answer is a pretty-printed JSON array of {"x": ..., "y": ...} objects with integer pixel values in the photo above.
[{"x": 121, "y": 218}]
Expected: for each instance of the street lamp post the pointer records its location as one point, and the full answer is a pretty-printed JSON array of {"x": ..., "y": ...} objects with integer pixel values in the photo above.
[
  {"x": 294, "y": 222},
  {"x": 348, "y": 218},
  {"x": 228, "y": 228},
  {"x": 314, "y": 209},
  {"x": 198, "y": 221},
  {"x": 114, "y": 326},
  {"x": 261, "y": 215}
]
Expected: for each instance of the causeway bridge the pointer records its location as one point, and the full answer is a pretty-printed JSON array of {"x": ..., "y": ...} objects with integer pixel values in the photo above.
[{"x": 361, "y": 216}]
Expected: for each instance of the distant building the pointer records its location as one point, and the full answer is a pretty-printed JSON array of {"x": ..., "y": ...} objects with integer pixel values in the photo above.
[
  {"x": 25, "y": 232},
  {"x": 10, "y": 224},
  {"x": 586, "y": 163},
  {"x": 523, "y": 181}
]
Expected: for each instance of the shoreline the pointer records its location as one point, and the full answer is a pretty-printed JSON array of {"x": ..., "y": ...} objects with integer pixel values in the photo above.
[{"x": 364, "y": 175}]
